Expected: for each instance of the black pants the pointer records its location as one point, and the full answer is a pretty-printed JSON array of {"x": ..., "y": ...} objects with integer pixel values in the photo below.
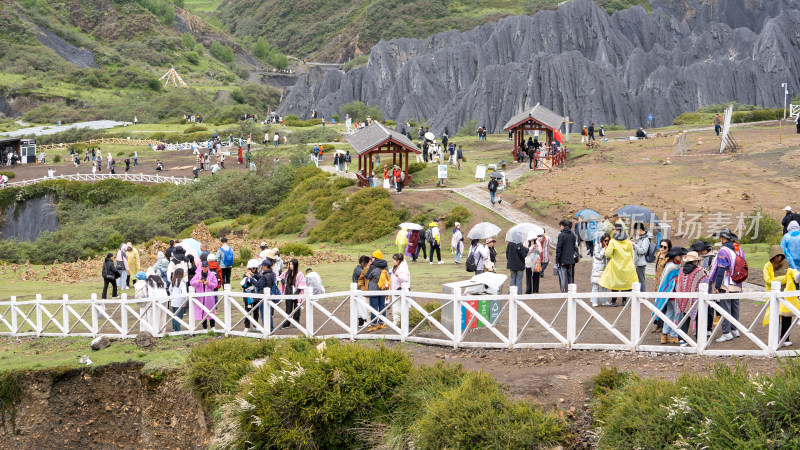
[
  {"x": 532, "y": 281},
  {"x": 207, "y": 322},
  {"x": 786, "y": 322},
  {"x": 106, "y": 282},
  {"x": 590, "y": 247},
  {"x": 226, "y": 275},
  {"x": 128, "y": 280},
  {"x": 399, "y": 186},
  {"x": 436, "y": 248},
  {"x": 253, "y": 311},
  {"x": 624, "y": 300},
  {"x": 421, "y": 248},
  {"x": 291, "y": 305}
]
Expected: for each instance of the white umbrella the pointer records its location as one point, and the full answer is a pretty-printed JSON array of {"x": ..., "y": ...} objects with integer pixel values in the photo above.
[
  {"x": 430, "y": 136},
  {"x": 523, "y": 231},
  {"x": 410, "y": 226},
  {"x": 483, "y": 230},
  {"x": 340, "y": 151}
]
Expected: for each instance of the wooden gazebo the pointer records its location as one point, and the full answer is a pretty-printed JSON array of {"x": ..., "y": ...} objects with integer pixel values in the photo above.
[
  {"x": 541, "y": 119},
  {"x": 377, "y": 139}
]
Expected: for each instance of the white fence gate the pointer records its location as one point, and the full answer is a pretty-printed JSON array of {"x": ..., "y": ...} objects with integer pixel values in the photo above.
[{"x": 558, "y": 320}]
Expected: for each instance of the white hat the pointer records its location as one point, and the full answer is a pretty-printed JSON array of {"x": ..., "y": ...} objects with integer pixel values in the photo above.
[
  {"x": 212, "y": 257},
  {"x": 788, "y": 208},
  {"x": 252, "y": 264}
]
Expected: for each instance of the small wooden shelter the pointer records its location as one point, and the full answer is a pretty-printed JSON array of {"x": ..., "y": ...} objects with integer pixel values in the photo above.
[
  {"x": 539, "y": 119},
  {"x": 376, "y": 139}
]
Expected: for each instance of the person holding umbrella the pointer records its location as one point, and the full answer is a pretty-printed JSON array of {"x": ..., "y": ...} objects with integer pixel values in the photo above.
[{"x": 533, "y": 264}]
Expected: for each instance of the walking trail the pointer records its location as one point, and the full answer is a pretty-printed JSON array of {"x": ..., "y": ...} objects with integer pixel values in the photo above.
[{"x": 477, "y": 193}]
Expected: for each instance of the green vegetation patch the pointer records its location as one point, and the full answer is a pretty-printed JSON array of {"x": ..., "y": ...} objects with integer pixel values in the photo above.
[
  {"x": 726, "y": 405},
  {"x": 368, "y": 214}
]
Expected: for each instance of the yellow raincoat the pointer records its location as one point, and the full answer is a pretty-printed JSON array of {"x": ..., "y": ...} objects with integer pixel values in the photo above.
[
  {"x": 790, "y": 286},
  {"x": 401, "y": 240},
  {"x": 133, "y": 260},
  {"x": 769, "y": 269},
  {"x": 620, "y": 273}
]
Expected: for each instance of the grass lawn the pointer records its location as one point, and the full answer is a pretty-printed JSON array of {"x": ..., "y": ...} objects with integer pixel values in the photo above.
[{"x": 44, "y": 353}]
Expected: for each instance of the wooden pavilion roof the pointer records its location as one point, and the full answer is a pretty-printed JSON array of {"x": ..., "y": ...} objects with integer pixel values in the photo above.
[
  {"x": 375, "y": 135},
  {"x": 539, "y": 114}
]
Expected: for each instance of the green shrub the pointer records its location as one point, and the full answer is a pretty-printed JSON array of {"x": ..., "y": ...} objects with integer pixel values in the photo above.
[
  {"x": 9, "y": 174},
  {"x": 245, "y": 219},
  {"x": 57, "y": 159},
  {"x": 416, "y": 167},
  {"x": 296, "y": 248},
  {"x": 194, "y": 129},
  {"x": 359, "y": 111},
  {"x": 725, "y": 405},
  {"x": 328, "y": 148},
  {"x": 302, "y": 123},
  {"x": 468, "y": 129},
  {"x": 457, "y": 214},
  {"x": 157, "y": 136},
  {"x": 358, "y": 61},
  {"x": 213, "y": 220},
  {"x": 245, "y": 253},
  {"x": 478, "y": 414},
  {"x": 415, "y": 317},
  {"x": 305, "y": 399},
  {"x": 607, "y": 380},
  {"x": 770, "y": 230},
  {"x": 193, "y": 58},
  {"x": 216, "y": 367},
  {"x": 366, "y": 215},
  {"x": 188, "y": 41},
  {"x": 693, "y": 118},
  {"x": 289, "y": 225},
  {"x": 114, "y": 241},
  {"x": 186, "y": 233},
  {"x": 221, "y": 52}
]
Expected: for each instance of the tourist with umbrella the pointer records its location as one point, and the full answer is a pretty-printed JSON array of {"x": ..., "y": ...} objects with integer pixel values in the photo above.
[
  {"x": 533, "y": 262},
  {"x": 515, "y": 260}
]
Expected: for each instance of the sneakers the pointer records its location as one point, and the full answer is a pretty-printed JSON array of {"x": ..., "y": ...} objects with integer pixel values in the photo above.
[
  {"x": 441, "y": 262},
  {"x": 594, "y": 305},
  {"x": 725, "y": 337},
  {"x": 683, "y": 343},
  {"x": 372, "y": 328},
  {"x": 431, "y": 263},
  {"x": 735, "y": 333},
  {"x": 787, "y": 344}
]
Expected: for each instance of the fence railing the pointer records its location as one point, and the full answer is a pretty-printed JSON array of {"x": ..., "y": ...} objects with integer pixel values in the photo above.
[
  {"x": 558, "y": 320},
  {"x": 138, "y": 142},
  {"x": 135, "y": 177}
]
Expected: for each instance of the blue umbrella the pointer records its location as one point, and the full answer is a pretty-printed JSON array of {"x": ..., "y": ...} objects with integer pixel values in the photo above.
[
  {"x": 191, "y": 243},
  {"x": 588, "y": 214},
  {"x": 637, "y": 214}
]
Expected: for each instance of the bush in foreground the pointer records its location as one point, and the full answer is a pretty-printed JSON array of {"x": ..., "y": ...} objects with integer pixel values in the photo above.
[{"x": 725, "y": 408}]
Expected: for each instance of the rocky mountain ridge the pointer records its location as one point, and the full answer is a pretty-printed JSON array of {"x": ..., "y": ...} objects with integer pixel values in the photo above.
[{"x": 577, "y": 61}]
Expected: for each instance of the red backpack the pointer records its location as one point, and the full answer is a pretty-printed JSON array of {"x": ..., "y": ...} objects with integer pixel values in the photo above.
[{"x": 740, "y": 269}]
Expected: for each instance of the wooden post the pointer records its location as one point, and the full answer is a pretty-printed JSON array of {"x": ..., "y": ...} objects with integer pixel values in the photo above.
[
  {"x": 94, "y": 315},
  {"x": 65, "y": 315},
  {"x": 456, "y": 320},
  {"x": 404, "y": 312},
  {"x": 512, "y": 316},
  {"x": 702, "y": 318},
  {"x": 408, "y": 175},
  {"x": 353, "y": 311},
  {"x": 226, "y": 307},
  {"x": 774, "y": 336},
  {"x": 636, "y": 325},
  {"x": 38, "y": 315},
  {"x": 309, "y": 312},
  {"x": 123, "y": 314},
  {"x": 571, "y": 314},
  {"x": 190, "y": 304}
]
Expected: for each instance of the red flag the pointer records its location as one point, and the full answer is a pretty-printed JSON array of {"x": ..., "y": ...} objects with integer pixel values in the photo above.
[{"x": 558, "y": 136}]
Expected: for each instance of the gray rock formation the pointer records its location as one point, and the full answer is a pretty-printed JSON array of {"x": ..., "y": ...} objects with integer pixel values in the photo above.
[
  {"x": 81, "y": 57},
  {"x": 577, "y": 61}
]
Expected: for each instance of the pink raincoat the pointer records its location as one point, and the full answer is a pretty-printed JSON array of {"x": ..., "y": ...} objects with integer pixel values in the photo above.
[{"x": 207, "y": 301}]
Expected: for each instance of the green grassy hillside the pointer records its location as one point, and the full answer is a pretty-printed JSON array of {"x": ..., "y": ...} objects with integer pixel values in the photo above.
[
  {"x": 336, "y": 30},
  {"x": 73, "y": 60}
]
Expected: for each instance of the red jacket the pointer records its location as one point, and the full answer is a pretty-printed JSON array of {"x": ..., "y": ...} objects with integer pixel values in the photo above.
[{"x": 213, "y": 265}]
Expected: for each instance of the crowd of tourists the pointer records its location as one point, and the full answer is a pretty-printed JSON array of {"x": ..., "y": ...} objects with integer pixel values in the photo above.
[{"x": 618, "y": 260}]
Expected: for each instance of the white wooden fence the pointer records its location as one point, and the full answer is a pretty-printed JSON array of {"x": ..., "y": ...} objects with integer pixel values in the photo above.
[
  {"x": 518, "y": 321},
  {"x": 135, "y": 177}
]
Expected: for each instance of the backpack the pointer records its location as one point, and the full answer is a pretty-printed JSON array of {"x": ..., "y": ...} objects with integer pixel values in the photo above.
[
  {"x": 429, "y": 235},
  {"x": 227, "y": 257},
  {"x": 384, "y": 281},
  {"x": 651, "y": 253},
  {"x": 471, "y": 264},
  {"x": 493, "y": 185},
  {"x": 362, "y": 280},
  {"x": 740, "y": 270}
]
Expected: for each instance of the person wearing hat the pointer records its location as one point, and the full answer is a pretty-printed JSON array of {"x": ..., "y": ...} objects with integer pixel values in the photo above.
[
  {"x": 790, "y": 244},
  {"x": 620, "y": 273},
  {"x": 457, "y": 243},
  {"x": 777, "y": 269},
  {"x": 689, "y": 279},
  {"x": 703, "y": 249},
  {"x": 264, "y": 247},
  {"x": 133, "y": 261},
  {"x": 720, "y": 278},
  {"x": 376, "y": 302},
  {"x": 667, "y": 284},
  {"x": 489, "y": 266},
  {"x": 205, "y": 281}
]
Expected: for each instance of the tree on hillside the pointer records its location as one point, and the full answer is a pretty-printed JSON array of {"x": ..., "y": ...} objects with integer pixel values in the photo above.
[{"x": 221, "y": 52}]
